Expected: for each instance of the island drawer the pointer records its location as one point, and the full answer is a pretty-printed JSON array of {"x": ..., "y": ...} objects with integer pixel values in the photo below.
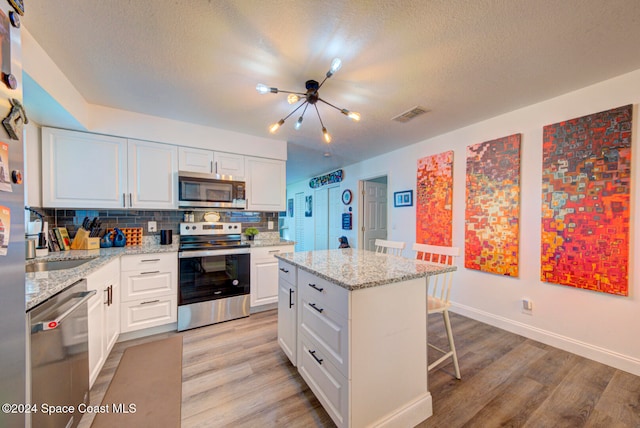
[
  {"x": 328, "y": 329},
  {"x": 329, "y": 385},
  {"x": 322, "y": 292},
  {"x": 287, "y": 272}
]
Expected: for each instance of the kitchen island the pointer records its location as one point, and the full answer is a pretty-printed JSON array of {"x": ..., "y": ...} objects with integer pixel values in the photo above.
[{"x": 354, "y": 322}]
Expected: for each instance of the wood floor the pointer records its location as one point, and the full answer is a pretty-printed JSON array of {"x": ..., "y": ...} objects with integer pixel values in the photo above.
[{"x": 235, "y": 375}]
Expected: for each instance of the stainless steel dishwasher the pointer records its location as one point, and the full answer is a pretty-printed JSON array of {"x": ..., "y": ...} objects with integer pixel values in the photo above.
[{"x": 60, "y": 357}]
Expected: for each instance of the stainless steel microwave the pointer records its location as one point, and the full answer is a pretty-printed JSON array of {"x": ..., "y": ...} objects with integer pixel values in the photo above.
[{"x": 197, "y": 190}]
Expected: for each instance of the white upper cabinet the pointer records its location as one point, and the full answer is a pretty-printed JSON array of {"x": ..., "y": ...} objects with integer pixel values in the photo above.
[
  {"x": 266, "y": 184},
  {"x": 83, "y": 170},
  {"x": 195, "y": 160},
  {"x": 152, "y": 177},
  {"x": 227, "y": 165}
]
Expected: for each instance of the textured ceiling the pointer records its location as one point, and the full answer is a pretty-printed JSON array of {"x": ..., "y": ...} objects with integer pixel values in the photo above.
[{"x": 465, "y": 60}]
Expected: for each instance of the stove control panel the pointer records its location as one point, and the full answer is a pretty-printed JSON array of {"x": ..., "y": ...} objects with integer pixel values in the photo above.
[{"x": 210, "y": 228}]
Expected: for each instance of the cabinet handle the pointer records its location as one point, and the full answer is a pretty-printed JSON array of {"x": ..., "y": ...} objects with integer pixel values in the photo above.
[
  {"x": 124, "y": 200},
  {"x": 216, "y": 167},
  {"x": 149, "y": 273},
  {"x": 316, "y": 288},
  {"x": 130, "y": 200},
  {"x": 106, "y": 290},
  {"x": 313, "y": 354},
  {"x": 284, "y": 270},
  {"x": 211, "y": 167},
  {"x": 110, "y": 294},
  {"x": 313, "y": 305},
  {"x": 274, "y": 251},
  {"x": 150, "y": 260},
  {"x": 290, "y": 298},
  {"x": 150, "y": 301}
]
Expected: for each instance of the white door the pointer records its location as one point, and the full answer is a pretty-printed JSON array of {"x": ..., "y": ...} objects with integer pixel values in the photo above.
[
  {"x": 375, "y": 213},
  {"x": 335, "y": 216},
  {"x": 299, "y": 221},
  {"x": 327, "y": 214},
  {"x": 152, "y": 175},
  {"x": 321, "y": 218}
]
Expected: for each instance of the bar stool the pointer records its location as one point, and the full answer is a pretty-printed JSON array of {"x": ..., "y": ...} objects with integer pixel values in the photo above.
[
  {"x": 438, "y": 295},
  {"x": 393, "y": 248}
]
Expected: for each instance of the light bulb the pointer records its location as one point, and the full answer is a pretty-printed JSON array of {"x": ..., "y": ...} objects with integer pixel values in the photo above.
[
  {"x": 292, "y": 98},
  {"x": 336, "y": 64},
  {"x": 298, "y": 124},
  {"x": 327, "y": 136},
  {"x": 351, "y": 114},
  {"x": 262, "y": 88},
  {"x": 273, "y": 128}
]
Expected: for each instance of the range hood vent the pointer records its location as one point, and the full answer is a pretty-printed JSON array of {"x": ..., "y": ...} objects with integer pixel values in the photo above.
[{"x": 410, "y": 114}]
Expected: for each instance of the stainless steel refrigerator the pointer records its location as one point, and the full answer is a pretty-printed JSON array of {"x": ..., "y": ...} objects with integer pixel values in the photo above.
[{"x": 12, "y": 235}]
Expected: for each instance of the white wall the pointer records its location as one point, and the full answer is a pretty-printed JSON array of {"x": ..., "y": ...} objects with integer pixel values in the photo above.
[
  {"x": 596, "y": 325},
  {"x": 103, "y": 120}
]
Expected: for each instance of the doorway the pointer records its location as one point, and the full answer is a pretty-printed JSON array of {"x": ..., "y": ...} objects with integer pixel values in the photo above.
[{"x": 373, "y": 218}]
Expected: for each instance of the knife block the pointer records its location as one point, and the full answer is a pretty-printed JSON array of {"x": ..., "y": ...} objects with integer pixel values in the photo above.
[{"x": 82, "y": 241}]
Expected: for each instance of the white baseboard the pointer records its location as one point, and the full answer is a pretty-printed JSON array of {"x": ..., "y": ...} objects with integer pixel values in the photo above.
[
  {"x": 148, "y": 332},
  {"x": 586, "y": 350}
]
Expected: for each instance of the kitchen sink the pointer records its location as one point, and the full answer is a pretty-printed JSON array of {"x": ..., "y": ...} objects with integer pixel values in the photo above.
[{"x": 47, "y": 265}]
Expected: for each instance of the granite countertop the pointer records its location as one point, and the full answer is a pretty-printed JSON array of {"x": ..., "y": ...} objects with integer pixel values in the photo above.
[
  {"x": 354, "y": 269},
  {"x": 40, "y": 286},
  {"x": 256, "y": 243}
]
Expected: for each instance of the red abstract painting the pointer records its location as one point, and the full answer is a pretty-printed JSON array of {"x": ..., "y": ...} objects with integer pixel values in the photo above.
[
  {"x": 434, "y": 196},
  {"x": 492, "y": 213},
  {"x": 585, "y": 202}
]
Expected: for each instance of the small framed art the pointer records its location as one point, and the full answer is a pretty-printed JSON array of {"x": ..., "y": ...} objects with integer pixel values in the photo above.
[{"x": 403, "y": 199}]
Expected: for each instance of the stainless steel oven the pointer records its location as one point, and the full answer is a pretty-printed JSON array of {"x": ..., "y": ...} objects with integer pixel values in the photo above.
[
  {"x": 214, "y": 274},
  {"x": 207, "y": 191}
]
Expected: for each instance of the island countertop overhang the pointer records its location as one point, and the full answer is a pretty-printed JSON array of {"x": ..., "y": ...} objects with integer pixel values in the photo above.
[{"x": 354, "y": 269}]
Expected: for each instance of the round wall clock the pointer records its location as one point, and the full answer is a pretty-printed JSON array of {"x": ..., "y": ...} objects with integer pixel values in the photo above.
[{"x": 346, "y": 197}]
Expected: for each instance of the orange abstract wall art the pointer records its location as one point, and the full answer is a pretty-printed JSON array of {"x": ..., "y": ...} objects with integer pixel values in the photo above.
[
  {"x": 585, "y": 202},
  {"x": 434, "y": 196},
  {"x": 492, "y": 213}
]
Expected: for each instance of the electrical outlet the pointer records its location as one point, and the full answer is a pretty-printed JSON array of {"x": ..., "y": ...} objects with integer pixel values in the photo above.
[
  {"x": 527, "y": 306},
  {"x": 152, "y": 226}
]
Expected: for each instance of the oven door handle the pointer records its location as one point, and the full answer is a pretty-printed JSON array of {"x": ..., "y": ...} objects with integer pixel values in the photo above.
[{"x": 206, "y": 253}]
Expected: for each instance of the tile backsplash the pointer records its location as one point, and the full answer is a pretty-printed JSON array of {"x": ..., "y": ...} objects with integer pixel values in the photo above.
[{"x": 72, "y": 219}]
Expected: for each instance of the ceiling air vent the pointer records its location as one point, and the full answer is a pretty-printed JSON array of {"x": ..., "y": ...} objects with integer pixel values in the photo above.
[{"x": 410, "y": 114}]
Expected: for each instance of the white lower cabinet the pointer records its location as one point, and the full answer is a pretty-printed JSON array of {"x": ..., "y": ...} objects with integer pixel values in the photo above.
[
  {"x": 264, "y": 274},
  {"x": 103, "y": 315},
  {"x": 149, "y": 296},
  {"x": 287, "y": 311}
]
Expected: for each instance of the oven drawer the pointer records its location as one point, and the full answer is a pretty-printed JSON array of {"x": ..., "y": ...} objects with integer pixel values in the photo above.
[
  {"x": 145, "y": 313},
  {"x": 146, "y": 262}
]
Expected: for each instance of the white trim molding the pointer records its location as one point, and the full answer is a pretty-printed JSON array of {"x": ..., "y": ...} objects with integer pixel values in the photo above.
[{"x": 583, "y": 349}]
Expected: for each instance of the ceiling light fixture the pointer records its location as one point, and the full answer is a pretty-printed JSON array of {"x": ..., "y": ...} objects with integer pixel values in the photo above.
[{"x": 311, "y": 97}]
